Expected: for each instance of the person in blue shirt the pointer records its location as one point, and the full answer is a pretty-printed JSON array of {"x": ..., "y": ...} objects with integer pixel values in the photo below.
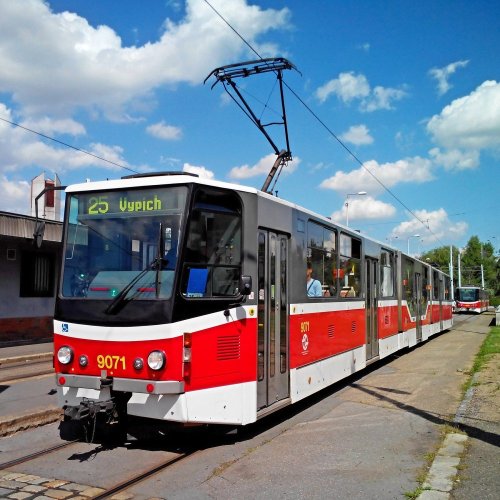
[{"x": 313, "y": 286}]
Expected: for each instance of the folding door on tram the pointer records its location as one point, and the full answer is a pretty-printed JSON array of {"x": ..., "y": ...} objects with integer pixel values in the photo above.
[
  {"x": 371, "y": 294},
  {"x": 272, "y": 348}
]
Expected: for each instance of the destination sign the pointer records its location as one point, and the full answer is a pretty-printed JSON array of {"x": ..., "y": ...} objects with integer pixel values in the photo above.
[{"x": 142, "y": 201}]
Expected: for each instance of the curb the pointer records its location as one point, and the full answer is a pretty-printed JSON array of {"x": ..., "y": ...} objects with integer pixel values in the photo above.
[
  {"x": 44, "y": 356},
  {"x": 443, "y": 471},
  {"x": 10, "y": 425},
  {"x": 441, "y": 475}
]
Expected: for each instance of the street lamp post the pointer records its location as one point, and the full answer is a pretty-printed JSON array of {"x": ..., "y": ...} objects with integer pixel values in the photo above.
[
  {"x": 409, "y": 237},
  {"x": 359, "y": 193}
]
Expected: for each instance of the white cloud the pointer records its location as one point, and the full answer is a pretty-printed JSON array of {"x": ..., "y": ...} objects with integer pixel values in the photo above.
[
  {"x": 50, "y": 126},
  {"x": 382, "y": 98},
  {"x": 262, "y": 167},
  {"x": 455, "y": 159},
  {"x": 19, "y": 149},
  {"x": 364, "y": 208},
  {"x": 358, "y": 135},
  {"x": 415, "y": 170},
  {"x": 349, "y": 87},
  {"x": 201, "y": 171},
  {"x": 441, "y": 75},
  {"x": 471, "y": 122},
  {"x": 440, "y": 227},
  {"x": 165, "y": 132},
  {"x": 346, "y": 87},
  {"x": 70, "y": 64},
  {"x": 15, "y": 196}
]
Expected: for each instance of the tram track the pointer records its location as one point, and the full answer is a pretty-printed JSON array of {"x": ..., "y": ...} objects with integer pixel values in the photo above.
[
  {"x": 142, "y": 476},
  {"x": 35, "y": 455},
  {"x": 116, "y": 488}
]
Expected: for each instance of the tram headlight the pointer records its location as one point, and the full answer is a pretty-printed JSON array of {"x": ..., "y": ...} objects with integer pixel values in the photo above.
[
  {"x": 156, "y": 360},
  {"x": 65, "y": 355}
]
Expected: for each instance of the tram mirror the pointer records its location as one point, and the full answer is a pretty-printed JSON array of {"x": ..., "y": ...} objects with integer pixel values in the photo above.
[
  {"x": 38, "y": 234},
  {"x": 246, "y": 285}
]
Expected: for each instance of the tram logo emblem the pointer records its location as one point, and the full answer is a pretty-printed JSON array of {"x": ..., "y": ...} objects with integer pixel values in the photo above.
[{"x": 305, "y": 342}]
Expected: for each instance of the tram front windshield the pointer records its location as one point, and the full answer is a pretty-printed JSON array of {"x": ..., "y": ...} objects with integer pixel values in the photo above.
[
  {"x": 118, "y": 238},
  {"x": 467, "y": 294}
]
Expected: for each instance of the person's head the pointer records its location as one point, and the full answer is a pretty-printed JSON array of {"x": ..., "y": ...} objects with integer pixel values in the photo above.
[{"x": 309, "y": 270}]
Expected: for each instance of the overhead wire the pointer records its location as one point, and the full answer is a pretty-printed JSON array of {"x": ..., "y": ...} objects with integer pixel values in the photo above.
[
  {"x": 80, "y": 150},
  {"x": 323, "y": 124}
]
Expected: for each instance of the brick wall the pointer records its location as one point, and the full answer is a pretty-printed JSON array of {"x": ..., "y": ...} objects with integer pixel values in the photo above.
[{"x": 25, "y": 330}]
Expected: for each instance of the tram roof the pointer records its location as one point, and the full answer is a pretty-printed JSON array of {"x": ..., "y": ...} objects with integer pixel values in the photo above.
[{"x": 176, "y": 178}]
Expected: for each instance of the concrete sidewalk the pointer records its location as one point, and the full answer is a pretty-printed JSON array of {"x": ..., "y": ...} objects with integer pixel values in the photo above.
[
  {"x": 31, "y": 402},
  {"x": 371, "y": 440}
]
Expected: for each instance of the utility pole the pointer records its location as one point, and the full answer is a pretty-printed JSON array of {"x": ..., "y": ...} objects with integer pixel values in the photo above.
[
  {"x": 452, "y": 292},
  {"x": 459, "y": 270}
]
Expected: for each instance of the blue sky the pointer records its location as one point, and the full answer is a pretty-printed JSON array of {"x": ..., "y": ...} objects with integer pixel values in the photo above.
[{"x": 412, "y": 89}]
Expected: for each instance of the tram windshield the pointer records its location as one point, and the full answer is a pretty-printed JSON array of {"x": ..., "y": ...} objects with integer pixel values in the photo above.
[
  {"x": 467, "y": 294},
  {"x": 123, "y": 240}
]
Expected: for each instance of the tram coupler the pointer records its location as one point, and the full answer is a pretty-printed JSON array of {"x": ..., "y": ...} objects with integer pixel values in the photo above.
[
  {"x": 96, "y": 420},
  {"x": 88, "y": 409}
]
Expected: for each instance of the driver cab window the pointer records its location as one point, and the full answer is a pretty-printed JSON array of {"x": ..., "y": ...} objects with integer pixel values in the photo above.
[{"x": 212, "y": 262}]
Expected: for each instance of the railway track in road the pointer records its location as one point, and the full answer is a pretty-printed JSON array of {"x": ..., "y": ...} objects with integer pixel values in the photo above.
[
  {"x": 143, "y": 476},
  {"x": 102, "y": 491},
  {"x": 34, "y": 455},
  {"x": 20, "y": 371}
]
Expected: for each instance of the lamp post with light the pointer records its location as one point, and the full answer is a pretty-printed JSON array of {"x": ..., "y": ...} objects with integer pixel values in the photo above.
[{"x": 359, "y": 193}]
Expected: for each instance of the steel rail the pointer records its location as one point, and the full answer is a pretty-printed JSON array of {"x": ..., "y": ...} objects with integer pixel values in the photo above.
[
  {"x": 36, "y": 454},
  {"x": 142, "y": 476}
]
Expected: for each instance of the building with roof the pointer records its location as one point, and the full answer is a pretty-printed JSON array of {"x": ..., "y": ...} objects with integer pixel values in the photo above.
[{"x": 28, "y": 275}]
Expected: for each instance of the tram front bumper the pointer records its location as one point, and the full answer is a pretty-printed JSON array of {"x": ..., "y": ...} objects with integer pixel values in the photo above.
[{"x": 120, "y": 384}]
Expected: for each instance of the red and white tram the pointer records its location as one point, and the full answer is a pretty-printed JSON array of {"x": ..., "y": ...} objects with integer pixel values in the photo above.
[
  {"x": 471, "y": 299},
  {"x": 184, "y": 300}
]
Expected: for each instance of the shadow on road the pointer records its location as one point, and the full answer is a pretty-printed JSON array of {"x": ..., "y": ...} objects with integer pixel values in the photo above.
[{"x": 471, "y": 431}]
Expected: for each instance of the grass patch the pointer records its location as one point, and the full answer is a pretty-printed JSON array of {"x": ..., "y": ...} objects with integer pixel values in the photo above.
[
  {"x": 412, "y": 495},
  {"x": 489, "y": 348}
]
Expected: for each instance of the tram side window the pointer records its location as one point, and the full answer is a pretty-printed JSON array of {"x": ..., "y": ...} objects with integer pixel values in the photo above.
[
  {"x": 212, "y": 263},
  {"x": 447, "y": 285},
  {"x": 321, "y": 256},
  {"x": 435, "y": 285},
  {"x": 387, "y": 273},
  {"x": 349, "y": 272},
  {"x": 408, "y": 293},
  {"x": 425, "y": 287}
]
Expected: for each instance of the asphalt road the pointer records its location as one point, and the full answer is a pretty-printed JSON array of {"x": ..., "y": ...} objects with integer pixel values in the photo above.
[{"x": 367, "y": 437}]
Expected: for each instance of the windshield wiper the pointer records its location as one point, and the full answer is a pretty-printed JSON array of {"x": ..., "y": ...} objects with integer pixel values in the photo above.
[{"x": 156, "y": 265}]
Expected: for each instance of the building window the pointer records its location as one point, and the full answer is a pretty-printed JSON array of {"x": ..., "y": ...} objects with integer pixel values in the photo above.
[{"x": 37, "y": 274}]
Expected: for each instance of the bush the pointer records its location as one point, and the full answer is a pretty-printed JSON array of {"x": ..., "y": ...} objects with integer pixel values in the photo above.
[{"x": 495, "y": 301}]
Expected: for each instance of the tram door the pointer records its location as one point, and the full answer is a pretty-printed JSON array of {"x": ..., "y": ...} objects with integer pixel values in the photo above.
[
  {"x": 272, "y": 348},
  {"x": 419, "y": 299},
  {"x": 371, "y": 280},
  {"x": 441, "y": 295}
]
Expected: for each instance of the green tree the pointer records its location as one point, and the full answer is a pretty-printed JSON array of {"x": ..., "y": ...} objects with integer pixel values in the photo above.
[
  {"x": 440, "y": 257},
  {"x": 472, "y": 256}
]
